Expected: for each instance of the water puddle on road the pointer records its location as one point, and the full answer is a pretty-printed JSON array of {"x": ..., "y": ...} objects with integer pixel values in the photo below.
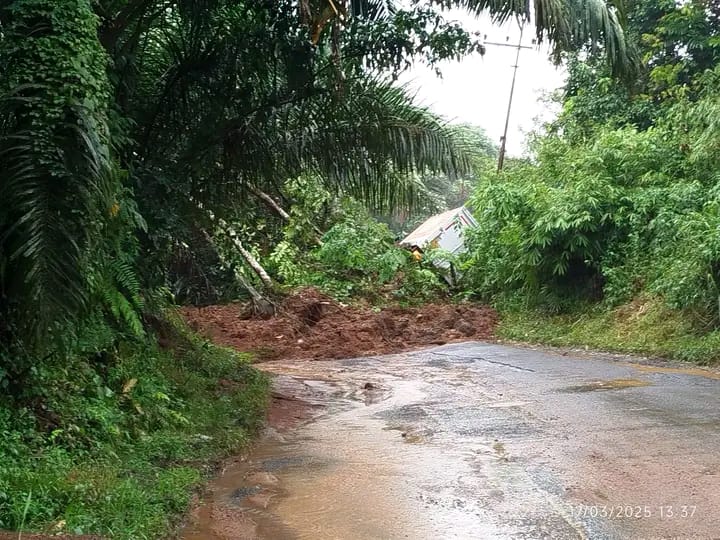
[
  {"x": 365, "y": 469},
  {"x": 406, "y": 447},
  {"x": 393, "y": 450},
  {"x": 320, "y": 482},
  {"x": 613, "y": 384},
  {"x": 692, "y": 371}
]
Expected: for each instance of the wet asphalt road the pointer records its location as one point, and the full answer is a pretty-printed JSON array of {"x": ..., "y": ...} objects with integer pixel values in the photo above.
[{"x": 481, "y": 441}]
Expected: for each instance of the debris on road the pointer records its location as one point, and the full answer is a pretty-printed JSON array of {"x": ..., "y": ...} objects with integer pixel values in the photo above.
[{"x": 310, "y": 325}]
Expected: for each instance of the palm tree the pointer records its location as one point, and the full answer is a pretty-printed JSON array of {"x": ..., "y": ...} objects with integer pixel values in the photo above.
[
  {"x": 565, "y": 24},
  {"x": 56, "y": 174}
]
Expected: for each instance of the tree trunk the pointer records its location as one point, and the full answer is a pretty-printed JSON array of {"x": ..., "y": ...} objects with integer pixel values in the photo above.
[
  {"x": 251, "y": 261},
  {"x": 272, "y": 203},
  {"x": 261, "y": 306},
  {"x": 246, "y": 255}
]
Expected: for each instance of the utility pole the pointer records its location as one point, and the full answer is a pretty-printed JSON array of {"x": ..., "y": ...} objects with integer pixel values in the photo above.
[{"x": 518, "y": 47}]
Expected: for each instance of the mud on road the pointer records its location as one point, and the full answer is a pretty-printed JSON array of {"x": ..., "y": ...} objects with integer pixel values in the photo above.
[
  {"x": 310, "y": 325},
  {"x": 477, "y": 441}
]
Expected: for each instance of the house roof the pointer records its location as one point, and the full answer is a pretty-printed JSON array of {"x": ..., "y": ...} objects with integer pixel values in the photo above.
[{"x": 431, "y": 228}]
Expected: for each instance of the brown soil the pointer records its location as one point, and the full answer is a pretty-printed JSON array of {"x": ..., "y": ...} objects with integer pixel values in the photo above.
[
  {"x": 310, "y": 325},
  {"x": 286, "y": 411}
]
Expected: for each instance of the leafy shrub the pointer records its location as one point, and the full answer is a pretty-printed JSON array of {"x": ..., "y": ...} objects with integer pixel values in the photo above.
[
  {"x": 626, "y": 212},
  {"x": 115, "y": 443},
  {"x": 357, "y": 257}
]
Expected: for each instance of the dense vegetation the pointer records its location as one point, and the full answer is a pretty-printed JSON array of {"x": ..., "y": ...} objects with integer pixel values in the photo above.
[
  {"x": 192, "y": 151},
  {"x": 155, "y": 152},
  {"x": 616, "y": 218},
  {"x": 120, "y": 449}
]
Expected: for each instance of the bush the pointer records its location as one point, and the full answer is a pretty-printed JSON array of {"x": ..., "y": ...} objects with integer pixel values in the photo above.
[
  {"x": 116, "y": 447},
  {"x": 358, "y": 258},
  {"x": 607, "y": 219}
]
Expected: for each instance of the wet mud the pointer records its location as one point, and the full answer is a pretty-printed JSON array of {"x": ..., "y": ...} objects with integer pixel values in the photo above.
[
  {"x": 614, "y": 384},
  {"x": 310, "y": 325},
  {"x": 477, "y": 441}
]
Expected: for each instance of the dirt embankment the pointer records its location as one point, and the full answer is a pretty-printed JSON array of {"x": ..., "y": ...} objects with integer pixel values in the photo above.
[{"x": 310, "y": 325}]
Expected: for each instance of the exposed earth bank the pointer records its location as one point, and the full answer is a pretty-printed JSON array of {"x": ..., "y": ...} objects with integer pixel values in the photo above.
[{"x": 310, "y": 325}]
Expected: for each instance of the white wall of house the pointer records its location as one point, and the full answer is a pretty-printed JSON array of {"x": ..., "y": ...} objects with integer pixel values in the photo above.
[{"x": 451, "y": 238}]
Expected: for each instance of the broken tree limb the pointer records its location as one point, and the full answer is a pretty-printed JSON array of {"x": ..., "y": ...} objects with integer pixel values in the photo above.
[
  {"x": 272, "y": 203},
  {"x": 261, "y": 306},
  {"x": 248, "y": 257}
]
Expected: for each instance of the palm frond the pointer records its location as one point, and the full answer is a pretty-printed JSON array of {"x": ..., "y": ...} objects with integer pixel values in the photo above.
[
  {"x": 373, "y": 10},
  {"x": 41, "y": 230},
  {"x": 369, "y": 143},
  {"x": 377, "y": 140},
  {"x": 567, "y": 25}
]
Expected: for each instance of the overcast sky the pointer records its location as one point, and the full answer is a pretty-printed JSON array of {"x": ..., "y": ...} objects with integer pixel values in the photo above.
[{"x": 476, "y": 89}]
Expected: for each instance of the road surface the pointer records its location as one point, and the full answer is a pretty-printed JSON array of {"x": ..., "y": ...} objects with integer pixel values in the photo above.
[{"x": 480, "y": 441}]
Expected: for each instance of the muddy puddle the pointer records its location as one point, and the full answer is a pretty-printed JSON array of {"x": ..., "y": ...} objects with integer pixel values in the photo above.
[
  {"x": 345, "y": 473},
  {"x": 613, "y": 384},
  {"x": 472, "y": 441}
]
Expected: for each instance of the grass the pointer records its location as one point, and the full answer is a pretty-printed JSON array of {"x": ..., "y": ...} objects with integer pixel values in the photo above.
[
  {"x": 119, "y": 449},
  {"x": 645, "y": 326}
]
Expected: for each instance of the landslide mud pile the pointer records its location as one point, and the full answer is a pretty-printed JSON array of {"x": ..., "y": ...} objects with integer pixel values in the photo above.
[{"x": 310, "y": 325}]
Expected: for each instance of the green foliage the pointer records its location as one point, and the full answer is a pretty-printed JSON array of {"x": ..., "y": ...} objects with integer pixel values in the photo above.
[
  {"x": 113, "y": 280},
  {"x": 197, "y": 100},
  {"x": 608, "y": 218},
  {"x": 568, "y": 25},
  {"x": 54, "y": 151},
  {"x": 645, "y": 326},
  {"x": 357, "y": 258},
  {"x": 420, "y": 283},
  {"x": 118, "y": 446},
  {"x": 609, "y": 237},
  {"x": 677, "y": 43},
  {"x": 128, "y": 131},
  {"x": 536, "y": 237},
  {"x": 365, "y": 249},
  {"x": 439, "y": 192}
]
